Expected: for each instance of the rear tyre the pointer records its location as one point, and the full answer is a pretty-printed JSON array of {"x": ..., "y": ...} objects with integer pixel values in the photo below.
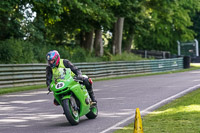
[
  {"x": 93, "y": 112},
  {"x": 70, "y": 111}
]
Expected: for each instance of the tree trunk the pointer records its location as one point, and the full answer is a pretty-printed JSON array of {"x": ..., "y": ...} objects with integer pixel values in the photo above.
[
  {"x": 4, "y": 32},
  {"x": 98, "y": 43},
  {"x": 128, "y": 44},
  {"x": 117, "y": 36},
  {"x": 86, "y": 40},
  {"x": 82, "y": 39},
  {"x": 89, "y": 40}
]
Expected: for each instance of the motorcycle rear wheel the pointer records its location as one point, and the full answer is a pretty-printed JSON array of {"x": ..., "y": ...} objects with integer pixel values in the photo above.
[{"x": 70, "y": 112}]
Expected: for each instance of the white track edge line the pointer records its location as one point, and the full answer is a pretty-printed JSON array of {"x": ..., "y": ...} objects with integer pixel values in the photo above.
[{"x": 153, "y": 106}]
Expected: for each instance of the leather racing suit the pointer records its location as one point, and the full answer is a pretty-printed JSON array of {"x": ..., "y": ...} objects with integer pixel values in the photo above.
[{"x": 67, "y": 64}]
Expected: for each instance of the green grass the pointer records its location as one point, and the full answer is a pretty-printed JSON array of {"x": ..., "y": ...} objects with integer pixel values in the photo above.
[
  {"x": 17, "y": 89},
  {"x": 127, "y": 57},
  {"x": 180, "y": 116}
]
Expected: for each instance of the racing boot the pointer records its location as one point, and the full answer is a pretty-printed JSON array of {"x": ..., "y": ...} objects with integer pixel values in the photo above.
[
  {"x": 88, "y": 84},
  {"x": 94, "y": 101}
]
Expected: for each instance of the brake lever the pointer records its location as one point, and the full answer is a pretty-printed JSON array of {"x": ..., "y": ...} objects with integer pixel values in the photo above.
[{"x": 78, "y": 80}]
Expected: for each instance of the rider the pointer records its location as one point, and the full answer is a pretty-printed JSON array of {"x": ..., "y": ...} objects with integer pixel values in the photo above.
[{"x": 54, "y": 62}]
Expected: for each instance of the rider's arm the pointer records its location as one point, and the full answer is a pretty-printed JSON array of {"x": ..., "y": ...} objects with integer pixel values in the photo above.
[
  {"x": 74, "y": 69},
  {"x": 48, "y": 75}
]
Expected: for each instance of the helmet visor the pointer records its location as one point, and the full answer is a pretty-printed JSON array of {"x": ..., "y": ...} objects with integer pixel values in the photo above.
[{"x": 51, "y": 62}]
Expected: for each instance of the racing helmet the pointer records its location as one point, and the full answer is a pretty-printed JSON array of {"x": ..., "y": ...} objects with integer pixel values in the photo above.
[{"x": 53, "y": 58}]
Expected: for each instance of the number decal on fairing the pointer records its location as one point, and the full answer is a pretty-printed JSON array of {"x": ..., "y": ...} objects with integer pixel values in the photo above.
[{"x": 59, "y": 85}]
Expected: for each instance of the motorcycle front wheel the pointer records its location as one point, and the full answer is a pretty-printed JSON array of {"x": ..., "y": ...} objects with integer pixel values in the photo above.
[{"x": 70, "y": 111}]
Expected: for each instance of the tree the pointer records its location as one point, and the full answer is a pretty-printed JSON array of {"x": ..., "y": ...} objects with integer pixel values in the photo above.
[
  {"x": 196, "y": 25},
  {"x": 117, "y": 36},
  {"x": 79, "y": 20},
  {"x": 127, "y": 13},
  {"x": 91, "y": 16},
  {"x": 137, "y": 20},
  {"x": 11, "y": 19},
  {"x": 98, "y": 43},
  {"x": 170, "y": 22},
  {"x": 149, "y": 24}
]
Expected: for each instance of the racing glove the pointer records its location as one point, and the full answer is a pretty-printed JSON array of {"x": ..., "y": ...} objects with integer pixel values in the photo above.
[{"x": 49, "y": 89}]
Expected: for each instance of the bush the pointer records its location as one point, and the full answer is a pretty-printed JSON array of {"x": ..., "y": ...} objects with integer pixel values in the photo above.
[
  {"x": 40, "y": 51},
  {"x": 65, "y": 52},
  {"x": 79, "y": 55},
  {"x": 126, "y": 57},
  {"x": 16, "y": 51}
]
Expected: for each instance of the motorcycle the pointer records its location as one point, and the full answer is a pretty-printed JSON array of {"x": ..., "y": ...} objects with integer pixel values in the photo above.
[{"x": 73, "y": 96}]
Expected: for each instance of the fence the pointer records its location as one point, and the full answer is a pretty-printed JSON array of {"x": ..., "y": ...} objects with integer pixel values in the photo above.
[
  {"x": 150, "y": 54},
  {"x": 12, "y": 75}
]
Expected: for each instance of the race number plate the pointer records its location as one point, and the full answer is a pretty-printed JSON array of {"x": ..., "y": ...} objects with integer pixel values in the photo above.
[{"x": 59, "y": 85}]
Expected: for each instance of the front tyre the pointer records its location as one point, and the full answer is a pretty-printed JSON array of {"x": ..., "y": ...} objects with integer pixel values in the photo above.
[
  {"x": 70, "y": 111},
  {"x": 93, "y": 113}
]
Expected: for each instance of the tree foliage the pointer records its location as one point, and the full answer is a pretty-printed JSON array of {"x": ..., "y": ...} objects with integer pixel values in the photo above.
[
  {"x": 11, "y": 18},
  {"x": 170, "y": 22},
  {"x": 148, "y": 24}
]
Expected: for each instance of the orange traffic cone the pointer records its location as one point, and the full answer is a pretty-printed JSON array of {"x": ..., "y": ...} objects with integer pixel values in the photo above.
[{"x": 138, "y": 122}]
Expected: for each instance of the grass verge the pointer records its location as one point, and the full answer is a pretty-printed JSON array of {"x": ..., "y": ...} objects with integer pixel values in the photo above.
[
  {"x": 179, "y": 116},
  {"x": 17, "y": 89}
]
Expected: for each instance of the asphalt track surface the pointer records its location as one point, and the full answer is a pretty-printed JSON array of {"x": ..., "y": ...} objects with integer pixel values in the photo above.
[{"x": 34, "y": 112}]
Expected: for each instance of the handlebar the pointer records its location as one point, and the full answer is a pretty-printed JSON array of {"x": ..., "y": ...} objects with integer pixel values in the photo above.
[{"x": 78, "y": 79}]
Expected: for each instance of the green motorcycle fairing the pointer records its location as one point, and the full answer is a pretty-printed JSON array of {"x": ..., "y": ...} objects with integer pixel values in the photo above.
[{"x": 64, "y": 86}]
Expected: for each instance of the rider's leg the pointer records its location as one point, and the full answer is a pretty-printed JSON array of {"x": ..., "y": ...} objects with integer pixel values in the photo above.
[{"x": 88, "y": 84}]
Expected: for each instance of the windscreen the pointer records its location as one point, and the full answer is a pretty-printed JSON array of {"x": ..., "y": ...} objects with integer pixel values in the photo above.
[{"x": 59, "y": 74}]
